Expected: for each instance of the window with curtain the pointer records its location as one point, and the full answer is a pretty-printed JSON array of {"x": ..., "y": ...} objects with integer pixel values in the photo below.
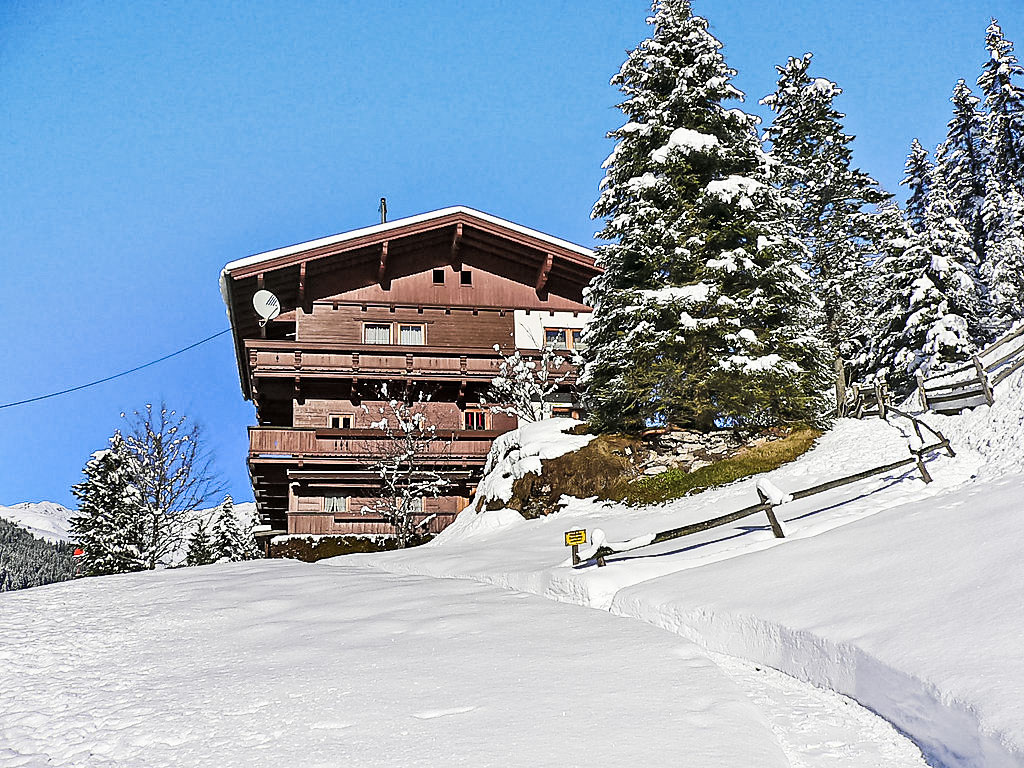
[
  {"x": 335, "y": 503},
  {"x": 410, "y": 334},
  {"x": 376, "y": 333}
]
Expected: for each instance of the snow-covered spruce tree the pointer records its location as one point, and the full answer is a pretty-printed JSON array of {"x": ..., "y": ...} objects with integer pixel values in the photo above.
[
  {"x": 960, "y": 160},
  {"x": 702, "y": 316},
  {"x": 917, "y": 179},
  {"x": 524, "y": 386},
  {"x": 836, "y": 215},
  {"x": 934, "y": 319},
  {"x": 173, "y": 472},
  {"x": 200, "y": 546},
  {"x": 1003, "y": 269},
  {"x": 108, "y": 526},
  {"x": 1004, "y": 104},
  {"x": 408, "y": 464},
  {"x": 230, "y": 542}
]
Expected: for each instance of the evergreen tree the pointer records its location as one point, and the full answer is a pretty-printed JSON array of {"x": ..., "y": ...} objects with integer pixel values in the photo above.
[
  {"x": 200, "y": 547},
  {"x": 702, "y": 316},
  {"x": 108, "y": 526},
  {"x": 931, "y": 317},
  {"x": 228, "y": 541},
  {"x": 1004, "y": 102},
  {"x": 837, "y": 218},
  {"x": 960, "y": 160},
  {"x": 1003, "y": 269},
  {"x": 917, "y": 178}
]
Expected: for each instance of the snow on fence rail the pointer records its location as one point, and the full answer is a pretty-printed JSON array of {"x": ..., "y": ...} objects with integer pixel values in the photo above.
[
  {"x": 972, "y": 384},
  {"x": 771, "y": 497}
]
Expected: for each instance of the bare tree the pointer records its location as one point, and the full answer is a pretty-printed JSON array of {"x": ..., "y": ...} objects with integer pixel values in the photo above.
[
  {"x": 407, "y": 470},
  {"x": 523, "y": 386},
  {"x": 173, "y": 470}
]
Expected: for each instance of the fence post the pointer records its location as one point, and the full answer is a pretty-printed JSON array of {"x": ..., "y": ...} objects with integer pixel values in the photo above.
[
  {"x": 984, "y": 379},
  {"x": 880, "y": 398},
  {"x": 921, "y": 391},
  {"x": 922, "y": 468},
  {"x": 773, "y": 521}
]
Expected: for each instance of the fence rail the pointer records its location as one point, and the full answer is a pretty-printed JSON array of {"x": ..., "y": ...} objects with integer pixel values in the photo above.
[
  {"x": 600, "y": 550},
  {"x": 971, "y": 385}
]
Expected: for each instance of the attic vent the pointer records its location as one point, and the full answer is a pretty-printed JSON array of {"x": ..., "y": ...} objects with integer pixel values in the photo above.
[
  {"x": 438, "y": 277},
  {"x": 466, "y": 277}
]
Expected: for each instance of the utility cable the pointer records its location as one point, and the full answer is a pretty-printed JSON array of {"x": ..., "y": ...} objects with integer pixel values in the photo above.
[{"x": 116, "y": 375}]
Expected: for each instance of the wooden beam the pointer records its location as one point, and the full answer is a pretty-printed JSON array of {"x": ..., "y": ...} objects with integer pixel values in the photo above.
[
  {"x": 543, "y": 272},
  {"x": 302, "y": 285},
  {"x": 383, "y": 266},
  {"x": 455, "y": 259}
]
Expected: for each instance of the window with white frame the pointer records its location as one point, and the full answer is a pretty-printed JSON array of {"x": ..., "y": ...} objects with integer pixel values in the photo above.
[
  {"x": 376, "y": 333},
  {"x": 411, "y": 334},
  {"x": 413, "y": 505},
  {"x": 340, "y": 421}
]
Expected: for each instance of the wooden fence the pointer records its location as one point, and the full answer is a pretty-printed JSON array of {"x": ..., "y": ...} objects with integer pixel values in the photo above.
[
  {"x": 971, "y": 385},
  {"x": 602, "y": 550}
]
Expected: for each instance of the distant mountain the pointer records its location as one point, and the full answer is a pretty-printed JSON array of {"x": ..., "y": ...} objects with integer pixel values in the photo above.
[{"x": 43, "y": 519}]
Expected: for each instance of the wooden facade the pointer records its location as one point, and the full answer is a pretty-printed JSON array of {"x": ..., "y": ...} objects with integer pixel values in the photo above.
[{"x": 415, "y": 305}]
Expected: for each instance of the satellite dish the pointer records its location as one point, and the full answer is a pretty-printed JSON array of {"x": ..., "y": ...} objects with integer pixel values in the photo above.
[{"x": 266, "y": 305}]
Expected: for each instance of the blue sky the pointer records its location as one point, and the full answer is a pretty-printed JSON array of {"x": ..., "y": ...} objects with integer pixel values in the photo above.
[{"x": 145, "y": 144}]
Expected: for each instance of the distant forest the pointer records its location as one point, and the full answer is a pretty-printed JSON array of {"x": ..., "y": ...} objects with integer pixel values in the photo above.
[{"x": 26, "y": 561}]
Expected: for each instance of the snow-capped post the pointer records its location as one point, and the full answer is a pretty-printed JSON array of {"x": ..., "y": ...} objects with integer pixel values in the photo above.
[{"x": 771, "y": 496}]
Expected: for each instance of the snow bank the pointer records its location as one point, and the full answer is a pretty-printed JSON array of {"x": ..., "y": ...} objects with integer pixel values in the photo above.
[{"x": 514, "y": 455}]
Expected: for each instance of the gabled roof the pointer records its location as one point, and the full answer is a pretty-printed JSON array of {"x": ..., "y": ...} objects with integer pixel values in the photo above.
[
  {"x": 399, "y": 224},
  {"x": 304, "y": 272}
]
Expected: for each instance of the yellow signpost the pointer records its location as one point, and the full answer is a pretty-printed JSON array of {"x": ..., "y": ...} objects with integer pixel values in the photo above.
[{"x": 574, "y": 539}]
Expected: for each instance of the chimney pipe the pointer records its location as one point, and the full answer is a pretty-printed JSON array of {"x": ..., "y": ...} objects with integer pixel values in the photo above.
[{"x": 383, "y": 210}]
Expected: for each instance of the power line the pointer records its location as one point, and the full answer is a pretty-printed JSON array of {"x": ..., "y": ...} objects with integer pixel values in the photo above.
[{"x": 116, "y": 375}]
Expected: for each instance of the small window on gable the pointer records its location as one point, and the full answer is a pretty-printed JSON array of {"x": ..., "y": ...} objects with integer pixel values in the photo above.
[
  {"x": 411, "y": 334},
  {"x": 376, "y": 333},
  {"x": 438, "y": 277},
  {"x": 340, "y": 421},
  {"x": 336, "y": 504},
  {"x": 465, "y": 277}
]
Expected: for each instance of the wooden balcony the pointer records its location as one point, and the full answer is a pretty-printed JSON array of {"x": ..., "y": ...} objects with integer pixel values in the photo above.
[
  {"x": 375, "y": 361},
  {"x": 288, "y": 445}
]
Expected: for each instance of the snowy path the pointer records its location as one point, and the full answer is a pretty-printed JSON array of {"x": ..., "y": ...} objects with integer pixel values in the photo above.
[{"x": 280, "y": 663}]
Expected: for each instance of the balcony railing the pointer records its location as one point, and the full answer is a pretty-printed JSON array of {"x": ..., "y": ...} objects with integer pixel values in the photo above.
[
  {"x": 376, "y": 361},
  {"x": 287, "y": 443}
]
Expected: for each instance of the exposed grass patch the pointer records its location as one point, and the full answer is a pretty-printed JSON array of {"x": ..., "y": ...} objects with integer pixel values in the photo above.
[
  {"x": 309, "y": 549},
  {"x": 677, "y": 483}
]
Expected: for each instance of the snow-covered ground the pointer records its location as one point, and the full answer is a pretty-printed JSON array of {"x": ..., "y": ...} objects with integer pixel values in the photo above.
[
  {"x": 900, "y": 596},
  {"x": 281, "y": 663}
]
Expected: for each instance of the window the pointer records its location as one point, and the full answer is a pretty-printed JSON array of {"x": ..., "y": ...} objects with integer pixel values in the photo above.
[
  {"x": 465, "y": 277},
  {"x": 475, "y": 419},
  {"x": 376, "y": 333},
  {"x": 340, "y": 421},
  {"x": 335, "y": 504},
  {"x": 564, "y": 412},
  {"x": 410, "y": 334},
  {"x": 577, "y": 339},
  {"x": 438, "y": 277},
  {"x": 556, "y": 338}
]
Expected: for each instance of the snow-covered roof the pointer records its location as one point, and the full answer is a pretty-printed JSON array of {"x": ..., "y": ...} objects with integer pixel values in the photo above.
[{"x": 399, "y": 224}]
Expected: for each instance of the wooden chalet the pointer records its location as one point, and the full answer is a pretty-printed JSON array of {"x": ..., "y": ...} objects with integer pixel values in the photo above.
[{"x": 416, "y": 304}]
